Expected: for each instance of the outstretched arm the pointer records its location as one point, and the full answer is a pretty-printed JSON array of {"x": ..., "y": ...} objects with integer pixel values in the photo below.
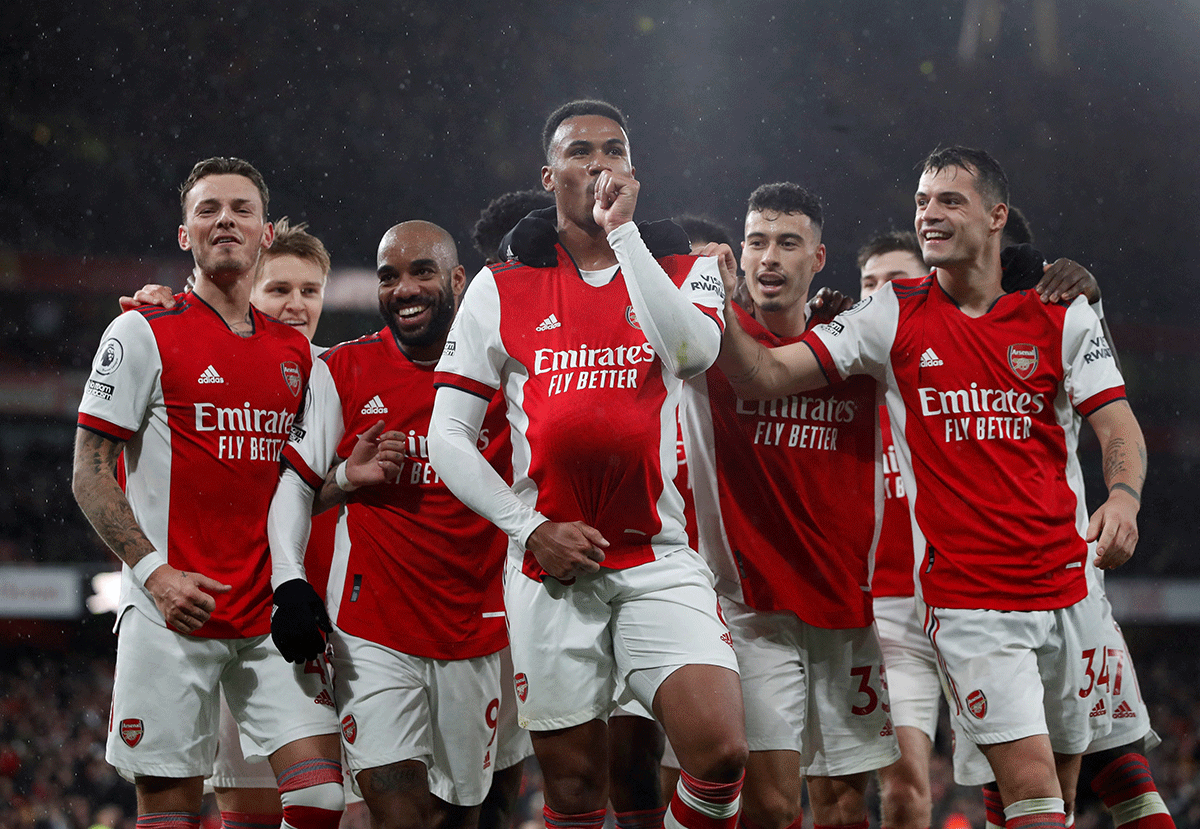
[
  {"x": 1114, "y": 524},
  {"x": 754, "y": 371},
  {"x": 184, "y": 599}
]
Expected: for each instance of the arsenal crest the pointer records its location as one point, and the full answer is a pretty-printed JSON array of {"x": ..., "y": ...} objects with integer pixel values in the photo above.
[
  {"x": 132, "y": 731},
  {"x": 521, "y": 683},
  {"x": 631, "y": 317},
  {"x": 1023, "y": 359},
  {"x": 291, "y": 374},
  {"x": 349, "y": 728},
  {"x": 977, "y": 704}
]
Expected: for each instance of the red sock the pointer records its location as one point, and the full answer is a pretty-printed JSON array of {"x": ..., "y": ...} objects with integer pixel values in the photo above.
[
  {"x": 993, "y": 807},
  {"x": 586, "y": 820},
  {"x": 169, "y": 820},
  {"x": 250, "y": 820},
  {"x": 1128, "y": 791},
  {"x": 641, "y": 819},
  {"x": 312, "y": 795},
  {"x": 698, "y": 804}
]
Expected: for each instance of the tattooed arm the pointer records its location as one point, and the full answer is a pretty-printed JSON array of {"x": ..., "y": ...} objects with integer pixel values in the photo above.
[
  {"x": 181, "y": 597},
  {"x": 1114, "y": 524}
]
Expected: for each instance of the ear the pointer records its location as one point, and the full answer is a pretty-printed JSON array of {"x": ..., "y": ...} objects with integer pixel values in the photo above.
[
  {"x": 547, "y": 179},
  {"x": 820, "y": 257},
  {"x": 184, "y": 242},
  {"x": 268, "y": 235},
  {"x": 458, "y": 280},
  {"x": 999, "y": 214}
]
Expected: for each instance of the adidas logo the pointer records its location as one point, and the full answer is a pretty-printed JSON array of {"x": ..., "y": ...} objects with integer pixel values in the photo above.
[
  {"x": 887, "y": 729},
  {"x": 1098, "y": 710},
  {"x": 930, "y": 359},
  {"x": 374, "y": 406},
  {"x": 324, "y": 698},
  {"x": 549, "y": 323},
  {"x": 1124, "y": 712},
  {"x": 209, "y": 375}
]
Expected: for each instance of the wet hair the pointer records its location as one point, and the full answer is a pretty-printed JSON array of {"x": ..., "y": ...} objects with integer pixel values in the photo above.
[
  {"x": 786, "y": 197},
  {"x": 220, "y": 165},
  {"x": 573, "y": 110},
  {"x": 1016, "y": 231},
  {"x": 703, "y": 229},
  {"x": 904, "y": 240},
  {"x": 502, "y": 214},
  {"x": 990, "y": 180},
  {"x": 295, "y": 240}
]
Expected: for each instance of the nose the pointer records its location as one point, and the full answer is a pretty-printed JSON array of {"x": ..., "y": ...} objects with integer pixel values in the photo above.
[
  {"x": 770, "y": 254},
  {"x": 293, "y": 302},
  {"x": 597, "y": 164}
]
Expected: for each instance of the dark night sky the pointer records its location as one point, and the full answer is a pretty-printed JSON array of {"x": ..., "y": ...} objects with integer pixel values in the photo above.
[{"x": 362, "y": 116}]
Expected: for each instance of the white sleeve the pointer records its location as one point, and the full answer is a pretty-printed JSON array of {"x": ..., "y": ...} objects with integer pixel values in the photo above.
[
  {"x": 315, "y": 440},
  {"x": 859, "y": 340},
  {"x": 1088, "y": 365},
  {"x": 289, "y": 521},
  {"x": 454, "y": 453},
  {"x": 124, "y": 376},
  {"x": 683, "y": 336},
  {"x": 474, "y": 349}
]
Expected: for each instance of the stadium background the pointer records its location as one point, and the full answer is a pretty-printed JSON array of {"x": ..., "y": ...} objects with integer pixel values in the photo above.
[{"x": 364, "y": 115}]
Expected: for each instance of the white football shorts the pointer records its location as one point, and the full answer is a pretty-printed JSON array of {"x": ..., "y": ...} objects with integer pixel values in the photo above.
[{"x": 912, "y": 676}]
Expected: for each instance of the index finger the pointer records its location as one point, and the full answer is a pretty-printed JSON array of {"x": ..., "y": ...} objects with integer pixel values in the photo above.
[{"x": 372, "y": 432}]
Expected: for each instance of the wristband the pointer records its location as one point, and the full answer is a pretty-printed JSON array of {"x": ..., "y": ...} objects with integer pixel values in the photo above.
[
  {"x": 146, "y": 565},
  {"x": 339, "y": 477}
]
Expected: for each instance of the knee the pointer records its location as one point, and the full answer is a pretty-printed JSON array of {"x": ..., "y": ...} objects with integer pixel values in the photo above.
[
  {"x": 725, "y": 760},
  {"x": 903, "y": 794}
]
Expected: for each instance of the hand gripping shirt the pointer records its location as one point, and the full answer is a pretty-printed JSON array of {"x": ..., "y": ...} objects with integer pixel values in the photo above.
[
  {"x": 592, "y": 410},
  {"x": 204, "y": 414},
  {"x": 787, "y": 493},
  {"x": 413, "y": 568},
  {"x": 982, "y": 410}
]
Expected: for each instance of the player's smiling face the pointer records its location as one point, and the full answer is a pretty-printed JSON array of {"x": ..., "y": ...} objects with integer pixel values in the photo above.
[
  {"x": 780, "y": 255},
  {"x": 224, "y": 226},
  {"x": 953, "y": 219},
  {"x": 292, "y": 290},
  {"x": 419, "y": 285},
  {"x": 582, "y": 148}
]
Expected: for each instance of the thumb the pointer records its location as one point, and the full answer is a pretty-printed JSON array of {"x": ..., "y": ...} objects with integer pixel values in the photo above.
[
  {"x": 210, "y": 585},
  {"x": 593, "y": 535},
  {"x": 1094, "y": 525},
  {"x": 127, "y": 303}
]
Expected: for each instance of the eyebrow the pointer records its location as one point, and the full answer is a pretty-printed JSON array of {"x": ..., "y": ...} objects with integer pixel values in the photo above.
[
  {"x": 215, "y": 201},
  {"x": 758, "y": 234},
  {"x": 582, "y": 142}
]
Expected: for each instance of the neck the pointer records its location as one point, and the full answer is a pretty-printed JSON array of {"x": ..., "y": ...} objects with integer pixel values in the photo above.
[
  {"x": 975, "y": 287},
  {"x": 786, "y": 323},
  {"x": 587, "y": 244},
  {"x": 420, "y": 353},
  {"x": 229, "y": 296}
]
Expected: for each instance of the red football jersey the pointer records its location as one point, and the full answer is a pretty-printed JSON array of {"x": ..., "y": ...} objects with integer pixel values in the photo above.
[
  {"x": 893, "y": 574},
  {"x": 787, "y": 492},
  {"x": 593, "y": 413},
  {"x": 413, "y": 568},
  {"x": 204, "y": 413},
  {"x": 982, "y": 410}
]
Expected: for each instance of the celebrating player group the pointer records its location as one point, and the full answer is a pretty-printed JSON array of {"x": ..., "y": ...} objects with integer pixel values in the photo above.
[{"x": 615, "y": 490}]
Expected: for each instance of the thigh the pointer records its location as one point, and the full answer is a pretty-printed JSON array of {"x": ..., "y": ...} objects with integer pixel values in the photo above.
[
  {"x": 773, "y": 675},
  {"x": 1074, "y": 666},
  {"x": 665, "y": 616},
  {"x": 912, "y": 678},
  {"x": 464, "y": 698},
  {"x": 848, "y": 729},
  {"x": 384, "y": 703},
  {"x": 275, "y": 702},
  {"x": 563, "y": 667},
  {"x": 164, "y": 706},
  {"x": 990, "y": 671},
  {"x": 231, "y": 770},
  {"x": 512, "y": 741}
]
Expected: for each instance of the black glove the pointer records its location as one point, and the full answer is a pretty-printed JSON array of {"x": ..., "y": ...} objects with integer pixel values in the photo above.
[{"x": 297, "y": 621}]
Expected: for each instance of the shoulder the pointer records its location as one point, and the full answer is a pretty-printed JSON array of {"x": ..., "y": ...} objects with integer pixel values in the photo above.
[{"x": 352, "y": 349}]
